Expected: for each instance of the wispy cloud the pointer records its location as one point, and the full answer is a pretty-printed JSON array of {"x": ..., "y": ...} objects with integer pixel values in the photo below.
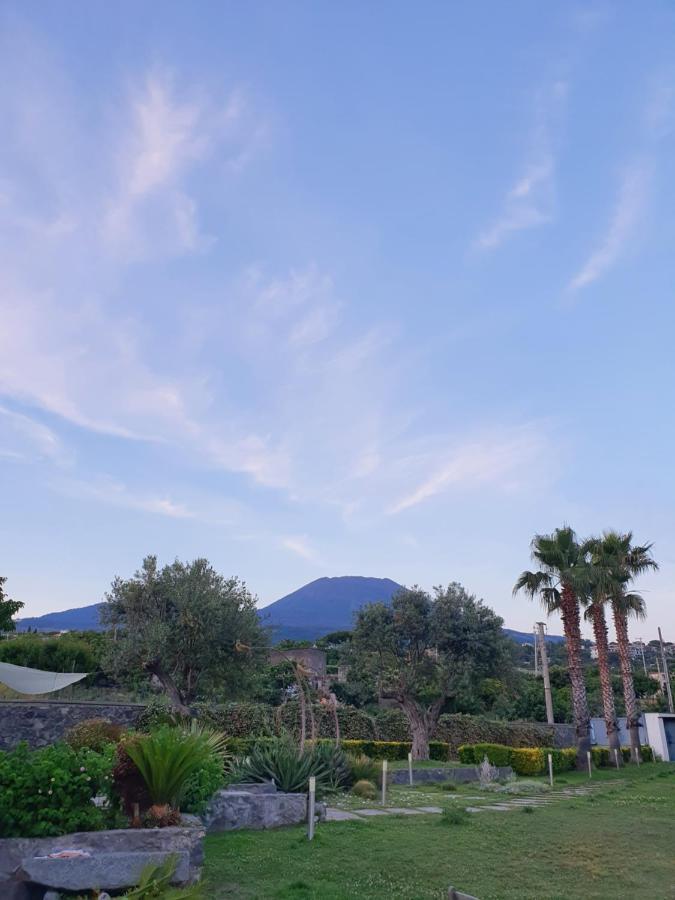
[
  {"x": 22, "y": 438},
  {"x": 116, "y": 493},
  {"x": 299, "y": 544},
  {"x": 630, "y": 205},
  {"x": 530, "y": 202},
  {"x": 502, "y": 461}
]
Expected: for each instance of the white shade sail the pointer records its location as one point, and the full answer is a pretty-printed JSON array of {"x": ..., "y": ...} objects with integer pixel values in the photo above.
[{"x": 36, "y": 681}]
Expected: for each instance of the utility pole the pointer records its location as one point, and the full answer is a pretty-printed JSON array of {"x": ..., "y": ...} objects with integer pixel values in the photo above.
[
  {"x": 536, "y": 666},
  {"x": 544, "y": 671},
  {"x": 644, "y": 661},
  {"x": 666, "y": 676}
]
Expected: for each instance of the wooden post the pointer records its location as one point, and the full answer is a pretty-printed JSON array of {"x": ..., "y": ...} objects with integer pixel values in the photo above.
[
  {"x": 590, "y": 767},
  {"x": 311, "y": 805},
  {"x": 550, "y": 769},
  {"x": 410, "y": 774},
  {"x": 384, "y": 782}
]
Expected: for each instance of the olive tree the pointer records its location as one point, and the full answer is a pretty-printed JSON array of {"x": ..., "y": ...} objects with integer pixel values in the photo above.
[
  {"x": 423, "y": 649},
  {"x": 8, "y": 609},
  {"x": 197, "y": 632}
]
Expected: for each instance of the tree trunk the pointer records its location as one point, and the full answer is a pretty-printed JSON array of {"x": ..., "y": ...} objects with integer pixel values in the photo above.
[
  {"x": 630, "y": 700},
  {"x": 609, "y": 710},
  {"x": 422, "y": 724},
  {"x": 169, "y": 686},
  {"x": 569, "y": 609}
]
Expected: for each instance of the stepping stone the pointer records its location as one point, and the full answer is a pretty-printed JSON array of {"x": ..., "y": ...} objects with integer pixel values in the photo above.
[
  {"x": 341, "y": 815},
  {"x": 402, "y": 811},
  {"x": 371, "y": 812},
  {"x": 430, "y": 809}
]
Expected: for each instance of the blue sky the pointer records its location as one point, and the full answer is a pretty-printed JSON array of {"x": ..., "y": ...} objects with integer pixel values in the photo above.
[{"x": 321, "y": 289}]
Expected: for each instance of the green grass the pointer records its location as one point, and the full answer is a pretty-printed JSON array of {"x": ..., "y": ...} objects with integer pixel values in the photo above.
[{"x": 620, "y": 845}]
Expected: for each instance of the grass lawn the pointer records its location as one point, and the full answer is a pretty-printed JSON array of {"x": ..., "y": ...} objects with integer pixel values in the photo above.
[{"x": 618, "y": 842}]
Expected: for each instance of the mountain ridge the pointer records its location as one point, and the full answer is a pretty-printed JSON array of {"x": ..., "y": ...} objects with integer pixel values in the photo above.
[{"x": 317, "y": 608}]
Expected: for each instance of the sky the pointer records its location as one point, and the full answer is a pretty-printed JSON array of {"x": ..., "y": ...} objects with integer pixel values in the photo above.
[{"x": 334, "y": 289}]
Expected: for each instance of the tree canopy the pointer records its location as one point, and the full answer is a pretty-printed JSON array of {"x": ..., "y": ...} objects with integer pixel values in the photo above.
[
  {"x": 8, "y": 608},
  {"x": 196, "y": 631},
  {"x": 423, "y": 650}
]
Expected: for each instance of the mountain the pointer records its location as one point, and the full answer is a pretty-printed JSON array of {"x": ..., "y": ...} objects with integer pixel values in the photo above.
[
  {"x": 84, "y": 618},
  {"x": 322, "y": 606}
]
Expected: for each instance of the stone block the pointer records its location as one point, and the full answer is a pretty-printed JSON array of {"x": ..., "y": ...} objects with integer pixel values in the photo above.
[{"x": 104, "y": 871}]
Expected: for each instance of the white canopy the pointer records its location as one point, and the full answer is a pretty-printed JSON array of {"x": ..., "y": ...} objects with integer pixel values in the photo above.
[{"x": 36, "y": 681}]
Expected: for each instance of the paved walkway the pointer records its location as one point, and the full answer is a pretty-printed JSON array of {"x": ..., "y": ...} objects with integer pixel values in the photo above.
[{"x": 500, "y": 803}]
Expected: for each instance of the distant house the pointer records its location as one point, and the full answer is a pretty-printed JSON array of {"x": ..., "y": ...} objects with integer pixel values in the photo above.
[{"x": 311, "y": 659}]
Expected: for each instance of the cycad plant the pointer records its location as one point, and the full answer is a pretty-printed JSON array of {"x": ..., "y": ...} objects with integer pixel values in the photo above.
[
  {"x": 561, "y": 579},
  {"x": 168, "y": 757}
]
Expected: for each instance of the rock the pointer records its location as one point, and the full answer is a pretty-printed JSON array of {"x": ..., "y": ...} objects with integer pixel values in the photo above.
[
  {"x": 187, "y": 820},
  {"x": 261, "y": 787},
  {"x": 134, "y": 840},
  {"x": 108, "y": 871},
  {"x": 230, "y": 810}
]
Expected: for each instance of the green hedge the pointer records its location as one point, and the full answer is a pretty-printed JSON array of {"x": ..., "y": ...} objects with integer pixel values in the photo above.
[
  {"x": 533, "y": 760},
  {"x": 249, "y": 720},
  {"x": 391, "y": 750}
]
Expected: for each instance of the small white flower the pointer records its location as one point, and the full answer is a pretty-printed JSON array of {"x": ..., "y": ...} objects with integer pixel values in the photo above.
[
  {"x": 50, "y": 791},
  {"x": 81, "y": 768}
]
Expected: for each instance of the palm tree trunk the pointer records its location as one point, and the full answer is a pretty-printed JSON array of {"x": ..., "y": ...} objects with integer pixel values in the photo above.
[
  {"x": 601, "y": 644},
  {"x": 630, "y": 700},
  {"x": 569, "y": 610}
]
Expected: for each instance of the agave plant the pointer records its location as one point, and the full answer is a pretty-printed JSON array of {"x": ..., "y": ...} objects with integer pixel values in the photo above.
[
  {"x": 168, "y": 757},
  {"x": 282, "y": 762}
]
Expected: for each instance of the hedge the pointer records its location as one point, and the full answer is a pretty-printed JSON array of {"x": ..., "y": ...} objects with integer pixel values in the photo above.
[
  {"x": 248, "y": 720},
  {"x": 391, "y": 750},
  {"x": 533, "y": 760}
]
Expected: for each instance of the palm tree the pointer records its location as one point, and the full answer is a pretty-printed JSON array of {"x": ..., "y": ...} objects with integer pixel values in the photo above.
[
  {"x": 600, "y": 581},
  {"x": 626, "y": 562},
  {"x": 561, "y": 579}
]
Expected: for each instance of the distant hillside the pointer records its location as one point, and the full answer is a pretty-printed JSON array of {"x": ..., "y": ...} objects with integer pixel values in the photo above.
[
  {"x": 85, "y": 618},
  {"x": 322, "y": 606}
]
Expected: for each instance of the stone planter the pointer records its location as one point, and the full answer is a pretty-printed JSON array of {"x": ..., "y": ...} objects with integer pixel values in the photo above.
[
  {"x": 256, "y": 806},
  {"x": 116, "y": 859}
]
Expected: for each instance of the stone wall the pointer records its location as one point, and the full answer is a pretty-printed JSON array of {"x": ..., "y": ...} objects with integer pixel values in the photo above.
[
  {"x": 457, "y": 774},
  {"x": 42, "y": 722}
]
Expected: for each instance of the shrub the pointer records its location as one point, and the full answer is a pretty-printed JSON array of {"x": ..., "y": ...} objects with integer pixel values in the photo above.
[
  {"x": 127, "y": 784},
  {"x": 497, "y": 754},
  {"x": 48, "y": 792},
  {"x": 466, "y": 754},
  {"x": 93, "y": 734},
  {"x": 600, "y": 756},
  {"x": 646, "y": 754},
  {"x": 168, "y": 758},
  {"x": 280, "y": 761},
  {"x": 203, "y": 784},
  {"x": 528, "y": 760},
  {"x": 449, "y": 786},
  {"x": 363, "y": 768},
  {"x": 365, "y": 789},
  {"x": 454, "y": 817},
  {"x": 156, "y": 714},
  {"x": 459, "y": 729},
  {"x": 439, "y": 750}
]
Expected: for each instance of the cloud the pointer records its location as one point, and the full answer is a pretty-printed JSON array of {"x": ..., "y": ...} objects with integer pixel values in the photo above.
[
  {"x": 530, "y": 202},
  {"x": 299, "y": 545},
  {"x": 502, "y": 460},
  {"x": 115, "y": 493},
  {"x": 630, "y": 205},
  {"x": 24, "y": 439},
  {"x": 166, "y": 135}
]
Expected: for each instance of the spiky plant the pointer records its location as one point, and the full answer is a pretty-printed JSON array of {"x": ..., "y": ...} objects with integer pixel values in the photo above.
[{"x": 168, "y": 757}]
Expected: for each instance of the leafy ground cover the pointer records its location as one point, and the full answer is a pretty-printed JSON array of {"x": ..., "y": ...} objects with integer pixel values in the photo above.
[{"x": 617, "y": 841}]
